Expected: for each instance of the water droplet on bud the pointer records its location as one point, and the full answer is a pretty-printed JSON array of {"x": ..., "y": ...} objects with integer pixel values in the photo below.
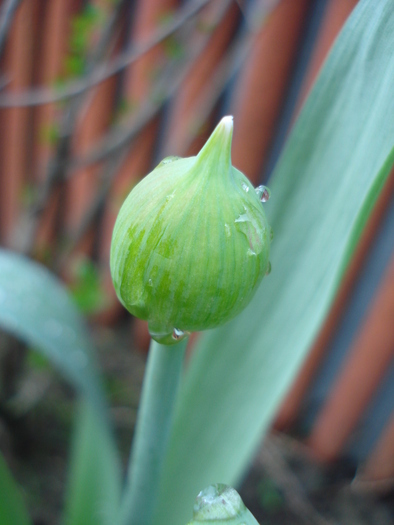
[
  {"x": 167, "y": 160},
  {"x": 216, "y": 503},
  {"x": 245, "y": 187},
  {"x": 178, "y": 335},
  {"x": 263, "y": 193}
]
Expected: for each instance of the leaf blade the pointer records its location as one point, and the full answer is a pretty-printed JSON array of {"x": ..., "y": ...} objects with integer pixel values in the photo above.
[
  {"x": 36, "y": 308},
  {"x": 333, "y": 167},
  {"x": 94, "y": 479}
]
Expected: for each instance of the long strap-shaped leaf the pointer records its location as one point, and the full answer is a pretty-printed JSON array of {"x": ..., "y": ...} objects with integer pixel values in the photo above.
[
  {"x": 335, "y": 163},
  {"x": 35, "y": 307}
]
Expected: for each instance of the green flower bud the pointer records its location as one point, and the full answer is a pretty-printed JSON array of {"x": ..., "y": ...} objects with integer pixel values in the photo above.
[
  {"x": 191, "y": 242},
  {"x": 220, "y": 505}
]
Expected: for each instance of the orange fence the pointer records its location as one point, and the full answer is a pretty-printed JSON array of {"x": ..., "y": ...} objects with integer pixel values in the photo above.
[{"x": 67, "y": 163}]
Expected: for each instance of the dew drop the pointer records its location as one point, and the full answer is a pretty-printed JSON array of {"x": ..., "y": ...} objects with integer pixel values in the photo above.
[
  {"x": 168, "y": 160},
  {"x": 268, "y": 270},
  {"x": 245, "y": 187},
  {"x": 263, "y": 193},
  {"x": 250, "y": 252},
  {"x": 243, "y": 218},
  {"x": 168, "y": 338},
  {"x": 228, "y": 231},
  {"x": 216, "y": 503},
  {"x": 178, "y": 335}
]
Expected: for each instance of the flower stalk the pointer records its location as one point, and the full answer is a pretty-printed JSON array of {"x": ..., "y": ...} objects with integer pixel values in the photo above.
[{"x": 154, "y": 420}]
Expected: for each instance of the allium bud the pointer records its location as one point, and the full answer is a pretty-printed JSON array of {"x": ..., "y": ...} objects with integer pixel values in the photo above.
[
  {"x": 221, "y": 505},
  {"x": 191, "y": 242}
]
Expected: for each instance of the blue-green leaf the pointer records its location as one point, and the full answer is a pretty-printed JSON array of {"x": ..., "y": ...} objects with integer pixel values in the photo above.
[
  {"x": 94, "y": 491},
  {"x": 330, "y": 174},
  {"x": 35, "y": 307}
]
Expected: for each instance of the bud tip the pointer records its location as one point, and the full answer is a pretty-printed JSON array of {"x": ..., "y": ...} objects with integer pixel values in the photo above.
[{"x": 227, "y": 122}]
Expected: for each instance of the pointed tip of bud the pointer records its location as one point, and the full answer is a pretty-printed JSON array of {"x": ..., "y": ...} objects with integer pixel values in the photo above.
[
  {"x": 228, "y": 122},
  {"x": 217, "y": 149}
]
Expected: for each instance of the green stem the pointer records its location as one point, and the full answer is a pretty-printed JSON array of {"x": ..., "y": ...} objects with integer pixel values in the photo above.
[{"x": 161, "y": 381}]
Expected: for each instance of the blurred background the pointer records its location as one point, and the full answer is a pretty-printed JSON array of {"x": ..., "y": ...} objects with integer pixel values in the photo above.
[{"x": 93, "y": 94}]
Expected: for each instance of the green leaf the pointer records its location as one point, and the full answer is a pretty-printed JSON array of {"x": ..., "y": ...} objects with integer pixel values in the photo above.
[
  {"x": 36, "y": 308},
  {"x": 324, "y": 187},
  {"x": 12, "y": 508},
  {"x": 94, "y": 492}
]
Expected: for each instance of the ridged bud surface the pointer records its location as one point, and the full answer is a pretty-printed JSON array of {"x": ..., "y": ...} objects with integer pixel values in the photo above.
[{"x": 191, "y": 242}]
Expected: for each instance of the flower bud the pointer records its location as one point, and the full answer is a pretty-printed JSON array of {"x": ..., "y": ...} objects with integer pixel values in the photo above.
[
  {"x": 220, "y": 505},
  {"x": 191, "y": 242}
]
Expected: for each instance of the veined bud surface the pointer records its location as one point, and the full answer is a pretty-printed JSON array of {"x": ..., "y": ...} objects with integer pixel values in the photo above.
[
  {"x": 220, "y": 504},
  {"x": 191, "y": 242}
]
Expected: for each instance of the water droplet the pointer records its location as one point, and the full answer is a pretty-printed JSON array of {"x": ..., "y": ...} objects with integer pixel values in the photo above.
[
  {"x": 250, "y": 227},
  {"x": 268, "y": 270},
  {"x": 150, "y": 282},
  {"x": 245, "y": 187},
  {"x": 170, "y": 196},
  {"x": 228, "y": 230},
  {"x": 271, "y": 234},
  {"x": 250, "y": 252},
  {"x": 243, "y": 218},
  {"x": 263, "y": 193},
  {"x": 168, "y": 160},
  {"x": 178, "y": 335},
  {"x": 53, "y": 328},
  {"x": 217, "y": 502}
]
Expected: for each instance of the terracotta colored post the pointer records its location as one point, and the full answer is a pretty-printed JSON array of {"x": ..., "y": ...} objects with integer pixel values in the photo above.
[
  {"x": 184, "y": 119},
  {"x": 378, "y": 472},
  {"x": 94, "y": 119},
  {"x": 262, "y": 86},
  {"x": 54, "y": 32},
  {"x": 14, "y": 121},
  {"x": 336, "y": 14},
  {"x": 368, "y": 360}
]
